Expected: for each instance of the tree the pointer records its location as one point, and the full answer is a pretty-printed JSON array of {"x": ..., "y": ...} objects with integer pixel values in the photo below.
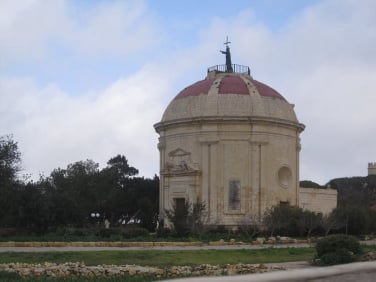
[
  {"x": 290, "y": 220},
  {"x": 121, "y": 171},
  {"x": 76, "y": 191},
  {"x": 186, "y": 218},
  {"x": 69, "y": 196},
  {"x": 353, "y": 220},
  {"x": 307, "y": 222},
  {"x": 196, "y": 216},
  {"x": 37, "y": 210},
  {"x": 330, "y": 222},
  {"x": 282, "y": 218},
  {"x": 147, "y": 213},
  {"x": 309, "y": 184},
  {"x": 10, "y": 159},
  {"x": 250, "y": 226},
  {"x": 355, "y": 191},
  {"x": 178, "y": 216}
]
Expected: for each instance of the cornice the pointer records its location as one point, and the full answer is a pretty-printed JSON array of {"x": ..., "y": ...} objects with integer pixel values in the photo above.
[{"x": 163, "y": 125}]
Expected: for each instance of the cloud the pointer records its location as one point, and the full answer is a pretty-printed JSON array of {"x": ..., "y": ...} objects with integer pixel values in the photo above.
[
  {"x": 54, "y": 129},
  {"x": 322, "y": 60},
  {"x": 337, "y": 106},
  {"x": 116, "y": 28},
  {"x": 36, "y": 30},
  {"x": 27, "y": 26}
]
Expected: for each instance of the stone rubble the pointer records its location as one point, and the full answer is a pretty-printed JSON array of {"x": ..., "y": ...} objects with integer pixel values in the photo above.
[
  {"x": 70, "y": 269},
  {"x": 370, "y": 256}
]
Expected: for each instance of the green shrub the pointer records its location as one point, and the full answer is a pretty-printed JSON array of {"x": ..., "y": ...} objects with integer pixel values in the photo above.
[
  {"x": 338, "y": 257},
  {"x": 337, "y": 249},
  {"x": 108, "y": 232},
  {"x": 9, "y": 276},
  {"x": 164, "y": 232},
  {"x": 333, "y": 243},
  {"x": 73, "y": 231},
  {"x": 135, "y": 232}
]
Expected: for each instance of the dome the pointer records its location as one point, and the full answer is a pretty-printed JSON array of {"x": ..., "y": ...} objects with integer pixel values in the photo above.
[
  {"x": 232, "y": 143},
  {"x": 229, "y": 96}
]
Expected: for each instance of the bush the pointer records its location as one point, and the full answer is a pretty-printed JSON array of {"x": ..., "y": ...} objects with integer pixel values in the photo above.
[
  {"x": 135, "y": 232},
  {"x": 337, "y": 249},
  {"x": 187, "y": 218},
  {"x": 164, "y": 232},
  {"x": 338, "y": 257},
  {"x": 108, "y": 232},
  {"x": 289, "y": 220},
  {"x": 9, "y": 276},
  {"x": 333, "y": 243}
]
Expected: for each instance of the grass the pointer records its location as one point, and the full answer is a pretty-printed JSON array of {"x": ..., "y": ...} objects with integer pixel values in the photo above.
[
  {"x": 164, "y": 258},
  {"x": 151, "y": 258},
  {"x": 155, "y": 258}
]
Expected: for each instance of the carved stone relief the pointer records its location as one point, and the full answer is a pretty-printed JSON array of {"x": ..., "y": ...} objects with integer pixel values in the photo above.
[{"x": 180, "y": 161}]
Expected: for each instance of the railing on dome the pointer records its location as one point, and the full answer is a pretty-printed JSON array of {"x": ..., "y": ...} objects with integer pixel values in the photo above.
[{"x": 235, "y": 69}]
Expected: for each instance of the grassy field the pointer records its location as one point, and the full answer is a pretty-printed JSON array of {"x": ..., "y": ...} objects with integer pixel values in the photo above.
[
  {"x": 152, "y": 258},
  {"x": 167, "y": 258},
  {"x": 164, "y": 258},
  {"x": 156, "y": 258}
]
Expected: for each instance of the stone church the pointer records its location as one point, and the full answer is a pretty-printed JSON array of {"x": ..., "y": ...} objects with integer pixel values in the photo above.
[{"x": 232, "y": 143}]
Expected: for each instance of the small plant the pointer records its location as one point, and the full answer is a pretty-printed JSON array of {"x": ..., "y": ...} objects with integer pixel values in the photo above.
[{"x": 337, "y": 249}]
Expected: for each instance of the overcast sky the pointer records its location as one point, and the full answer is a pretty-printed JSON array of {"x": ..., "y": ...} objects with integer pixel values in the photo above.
[{"x": 89, "y": 79}]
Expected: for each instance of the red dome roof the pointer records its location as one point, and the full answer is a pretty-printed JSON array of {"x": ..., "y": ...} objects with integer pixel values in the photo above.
[{"x": 229, "y": 84}]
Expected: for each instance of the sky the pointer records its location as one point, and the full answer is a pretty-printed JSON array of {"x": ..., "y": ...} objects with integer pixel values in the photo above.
[{"x": 89, "y": 79}]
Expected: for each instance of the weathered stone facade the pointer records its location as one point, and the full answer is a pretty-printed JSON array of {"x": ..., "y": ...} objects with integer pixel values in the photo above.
[
  {"x": 318, "y": 200},
  {"x": 371, "y": 168},
  {"x": 231, "y": 143}
]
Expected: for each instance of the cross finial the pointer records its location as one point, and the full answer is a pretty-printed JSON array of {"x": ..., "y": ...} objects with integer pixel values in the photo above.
[
  {"x": 228, "y": 56},
  {"x": 227, "y": 42}
]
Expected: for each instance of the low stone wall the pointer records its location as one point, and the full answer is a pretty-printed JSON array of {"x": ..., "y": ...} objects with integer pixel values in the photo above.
[
  {"x": 99, "y": 244},
  {"x": 80, "y": 269},
  {"x": 258, "y": 241}
]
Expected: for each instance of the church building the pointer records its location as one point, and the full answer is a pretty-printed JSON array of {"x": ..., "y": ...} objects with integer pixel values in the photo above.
[{"x": 232, "y": 143}]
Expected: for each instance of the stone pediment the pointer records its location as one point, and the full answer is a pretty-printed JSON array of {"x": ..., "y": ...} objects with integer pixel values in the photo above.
[
  {"x": 178, "y": 153},
  {"x": 180, "y": 162}
]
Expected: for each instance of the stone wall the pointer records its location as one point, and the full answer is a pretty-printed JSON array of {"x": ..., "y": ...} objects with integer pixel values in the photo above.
[
  {"x": 79, "y": 269},
  {"x": 371, "y": 168},
  {"x": 318, "y": 200}
]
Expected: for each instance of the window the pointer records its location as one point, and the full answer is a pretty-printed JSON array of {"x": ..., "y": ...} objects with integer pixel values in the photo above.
[{"x": 234, "y": 195}]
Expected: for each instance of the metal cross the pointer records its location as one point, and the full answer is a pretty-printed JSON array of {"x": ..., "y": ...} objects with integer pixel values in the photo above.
[{"x": 227, "y": 42}]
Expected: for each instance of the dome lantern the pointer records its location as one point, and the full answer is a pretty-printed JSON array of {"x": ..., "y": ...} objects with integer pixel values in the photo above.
[{"x": 229, "y": 67}]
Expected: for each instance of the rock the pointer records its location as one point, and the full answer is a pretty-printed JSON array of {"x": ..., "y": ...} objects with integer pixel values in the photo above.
[
  {"x": 272, "y": 239},
  {"x": 71, "y": 269},
  {"x": 262, "y": 266}
]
